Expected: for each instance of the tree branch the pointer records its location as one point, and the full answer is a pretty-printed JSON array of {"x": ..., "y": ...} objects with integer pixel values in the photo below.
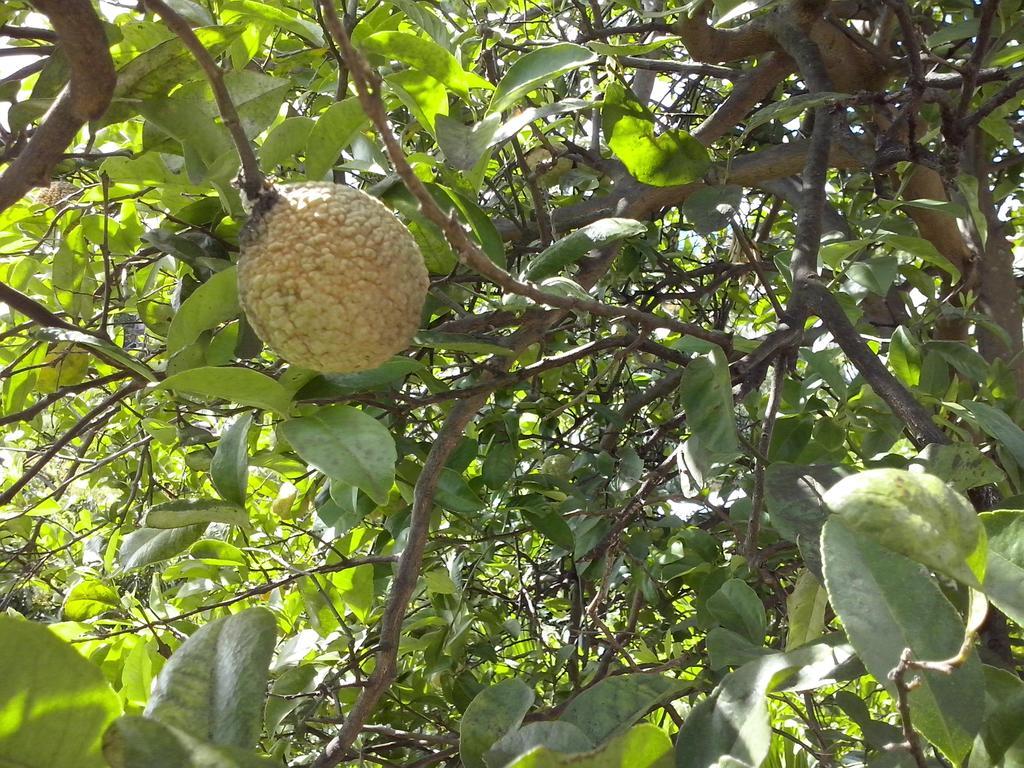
[
  {"x": 252, "y": 176},
  {"x": 83, "y": 424},
  {"x": 809, "y": 294},
  {"x": 86, "y": 96}
]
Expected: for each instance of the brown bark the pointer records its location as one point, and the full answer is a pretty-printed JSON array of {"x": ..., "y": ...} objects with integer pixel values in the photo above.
[{"x": 86, "y": 96}]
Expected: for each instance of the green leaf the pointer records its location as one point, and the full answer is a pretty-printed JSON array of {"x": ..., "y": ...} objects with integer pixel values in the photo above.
[
  {"x": 150, "y": 545},
  {"x": 277, "y": 17},
  {"x": 553, "y": 526},
  {"x": 554, "y": 735},
  {"x": 426, "y": 97},
  {"x": 427, "y": 57},
  {"x": 334, "y": 130},
  {"x": 214, "y": 686},
  {"x": 464, "y": 146},
  {"x": 615, "y": 703},
  {"x": 672, "y": 158},
  {"x": 1000, "y": 744},
  {"x": 888, "y": 603},
  {"x": 574, "y": 246},
  {"x": 140, "y": 742},
  {"x": 793, "y": 107},
  {"x": 962, "y": 465},
  {"x": 805, "y": 609},
  {"x": 389, "y": 374},
  {"x": 88, "y": 599},
  {"x": 793, "y": 496},
  {"x": 461, "y": 342},
  {"x": 535, "y": 68},
  {"x": 1004, "y": 574},
  {"x": 454, "y": 493},
  {"x": 964, "y": 359},
  {"x": 355, "y": 587},
  {"x": 106, "y": 348},
  {"x": 710, "y": 209},
  {"x": 919, "y": 248},
  {"x": 285, "y": 140},
  {"x": 706, "y": 395},
  {"x": 494, "y": 712},
  {"x": 730, "y": 649},
  {"x": 905, "y": 357},
  {"x": 157, "y": 70},
  {"x": 997, "y": 424},
  {"x": 346, "y": 445},
  {"x": 236, "y": 385},
  {"x": 218, "y": 552},
  {"x": 643, "y": 746},
  {"x": 737, "y": 607},
  {"x": 54, "y": 704},
  {"x": 212, "y": 303},
  {"x": 828, "y": 661},
  {"x": 917, "y": 515},
  {"x": 229, "y": 468},
  {"x": 732, "y": 723},
  {"x": 876, "y": 274},
  {"x": 182, "y": 513}
]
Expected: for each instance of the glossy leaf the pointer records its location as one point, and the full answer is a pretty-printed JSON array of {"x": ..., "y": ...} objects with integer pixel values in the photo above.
[
  {"x": 732, "y": 723},
  {"x": 888, "y": 603},
  {"x": 229, "y": 468},
  {"x": 214, "y": 686},
  {"x": 706, "y": 394},
  {"x": 737, "y": 607},
  {"x": 212, "y": 303},
  {"x": 1004, "y": 573},
  {"x": 643, "y": 746},
  {"x": 615, "y": 703},
  {"x": 334, "y": 130},
  {"x": 574, "y": 246},
  {"x": 236, "y": 385},
  {"x": 1000, "y": 744},
  {"x": 54, "y": 704},
  {"x": 90, "y": 598},
  {"x": 181, "y": 513},
  {"x": 494, "y": 712},
  {"x": 426, "y": 56},
  {"x": 536, "y": 68},
  {"x": 151, "y": 545},
  {"x": 348, "y": 445},
  {"x": 140, "y": 742},
  {"x": 556, "y": 736},
  {"x": 664, "y": 160}
]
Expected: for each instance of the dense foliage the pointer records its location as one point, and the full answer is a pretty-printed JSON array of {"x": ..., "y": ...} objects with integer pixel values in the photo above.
[{"x": 709, "y": 450}]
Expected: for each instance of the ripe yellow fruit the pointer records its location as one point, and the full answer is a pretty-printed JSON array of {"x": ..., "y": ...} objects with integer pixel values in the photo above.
[{"x": 329, "y": 278}]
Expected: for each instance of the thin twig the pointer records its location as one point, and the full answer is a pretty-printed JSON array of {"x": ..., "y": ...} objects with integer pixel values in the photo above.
[
  {"x": 83, "y": 424},
  {"x": 368, "y": 88},
  {"x": 404, "y": 583},
  {"x": 810, "y": 295},
  {"x": 750, "y": 549},
  {"x": 262, "y": 589},
  {"x": 252, "y": 176}
]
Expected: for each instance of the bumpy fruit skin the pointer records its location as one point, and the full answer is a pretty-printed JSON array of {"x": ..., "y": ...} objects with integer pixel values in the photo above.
[
  {"x": 329, "y": 278},
  {"x": 59, "y": 191}
]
